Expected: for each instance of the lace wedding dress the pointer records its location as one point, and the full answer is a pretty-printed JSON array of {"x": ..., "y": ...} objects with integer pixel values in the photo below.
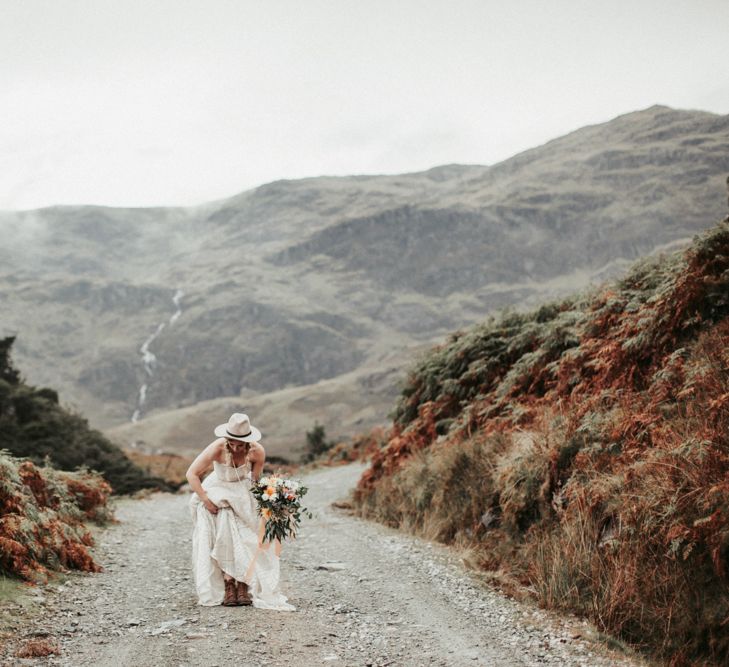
[{"x": 229, "y": 542}]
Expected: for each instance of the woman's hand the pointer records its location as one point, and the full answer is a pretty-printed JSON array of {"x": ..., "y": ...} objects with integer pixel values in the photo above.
[{"x": 210, "y": 506}]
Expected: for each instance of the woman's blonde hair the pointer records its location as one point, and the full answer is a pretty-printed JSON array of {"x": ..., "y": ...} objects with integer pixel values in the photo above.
[{"x": 229, "y": 453}]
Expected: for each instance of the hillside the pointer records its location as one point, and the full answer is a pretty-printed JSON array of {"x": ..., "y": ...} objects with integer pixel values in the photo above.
[
  {"x": 582, "y": 450},
  {"x": 327, "y": 278},
  {"x": 43, "y": 519},
  {"x": 35, "y": 427},
  {"x": 349, "y": 403}
]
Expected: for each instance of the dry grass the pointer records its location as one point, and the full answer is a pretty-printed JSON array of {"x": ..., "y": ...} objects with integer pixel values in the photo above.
[
  {"x": 37, "y": 648},
  {"x": 585, "y": 454},
  {"x": 360, "y": 447},
  {"x": 42, "y": 518}
]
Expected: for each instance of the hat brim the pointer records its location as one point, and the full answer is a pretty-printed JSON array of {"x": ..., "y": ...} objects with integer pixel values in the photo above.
[{"x": 222, "y": 432}]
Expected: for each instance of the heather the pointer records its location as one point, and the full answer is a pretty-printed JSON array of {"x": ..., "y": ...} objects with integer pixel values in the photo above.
[
  {"x": 582, "y": 449},
  {"x": 43, "y": 516}
]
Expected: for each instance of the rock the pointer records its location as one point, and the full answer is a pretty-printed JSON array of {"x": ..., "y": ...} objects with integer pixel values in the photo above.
[
  {"x": 331, "y": 566},
  {"x": 165, "y": 627}
]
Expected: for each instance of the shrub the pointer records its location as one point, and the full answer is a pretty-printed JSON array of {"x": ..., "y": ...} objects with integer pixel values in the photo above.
[
  {"x": 42, "y": 515},
  {"x": 316, "y": 443},
  {"x": 37, "y": 648},
  {"x": 592, "y": 438}
]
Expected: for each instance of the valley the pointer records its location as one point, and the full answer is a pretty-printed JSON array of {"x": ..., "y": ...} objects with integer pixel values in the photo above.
[{"x": 308, "y": 300}]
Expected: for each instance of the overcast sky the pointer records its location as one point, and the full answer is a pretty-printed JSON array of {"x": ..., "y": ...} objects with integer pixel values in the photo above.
[{"x": 176, "y": 102}]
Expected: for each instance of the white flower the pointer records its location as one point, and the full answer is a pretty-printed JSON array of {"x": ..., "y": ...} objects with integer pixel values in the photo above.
[{"x": 263, "y": 481}]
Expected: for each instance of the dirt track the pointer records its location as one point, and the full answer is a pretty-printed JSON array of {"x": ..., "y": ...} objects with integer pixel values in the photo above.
[{"x": 365, "y": 595}]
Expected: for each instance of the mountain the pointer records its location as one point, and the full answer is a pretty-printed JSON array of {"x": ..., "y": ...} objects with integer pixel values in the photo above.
[{"x": 338, "y": 278}]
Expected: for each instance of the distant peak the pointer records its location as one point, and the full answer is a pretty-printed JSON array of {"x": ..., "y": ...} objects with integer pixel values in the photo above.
[{"x": 662, "y": 109}]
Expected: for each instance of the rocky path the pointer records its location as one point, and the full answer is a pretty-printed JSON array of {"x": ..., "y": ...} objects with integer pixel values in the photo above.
[{"x": 365, "y": 595}]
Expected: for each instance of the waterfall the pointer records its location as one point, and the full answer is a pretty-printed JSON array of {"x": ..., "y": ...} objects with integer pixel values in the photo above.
[
  {"x": 149, "y": 359},
  {"x": 176, "y": 300}
]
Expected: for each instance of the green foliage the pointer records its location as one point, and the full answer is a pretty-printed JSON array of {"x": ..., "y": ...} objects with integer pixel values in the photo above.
[
  {"x": 33, "y": 425},
  {"x": 316, "y": 443},
  {"x": 498, "y": 355}
]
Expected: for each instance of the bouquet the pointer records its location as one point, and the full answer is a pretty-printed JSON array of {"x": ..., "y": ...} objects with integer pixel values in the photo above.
[{"x": 279, "y": 503}]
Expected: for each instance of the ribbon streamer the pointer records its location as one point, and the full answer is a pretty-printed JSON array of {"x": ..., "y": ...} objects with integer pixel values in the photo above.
[{"x": 262, "y": 546}]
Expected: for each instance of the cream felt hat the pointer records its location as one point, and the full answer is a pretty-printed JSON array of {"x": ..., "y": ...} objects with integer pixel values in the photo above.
[{"x": 238, "y": 428}]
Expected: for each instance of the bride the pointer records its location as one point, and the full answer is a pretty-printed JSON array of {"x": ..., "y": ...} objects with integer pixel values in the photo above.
[{"x": 231, "y": 566}]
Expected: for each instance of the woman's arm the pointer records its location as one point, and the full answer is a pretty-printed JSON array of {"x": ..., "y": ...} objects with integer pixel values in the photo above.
[
  {"x": 203, "y": 461},
  {"x": 258, "y": 458}
]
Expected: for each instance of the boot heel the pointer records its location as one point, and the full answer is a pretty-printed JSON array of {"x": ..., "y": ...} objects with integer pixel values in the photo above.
[{"x": 243, "y": 595}]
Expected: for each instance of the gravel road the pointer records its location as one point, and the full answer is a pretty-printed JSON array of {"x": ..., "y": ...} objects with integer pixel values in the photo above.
[{"x": 365, "y": 595}]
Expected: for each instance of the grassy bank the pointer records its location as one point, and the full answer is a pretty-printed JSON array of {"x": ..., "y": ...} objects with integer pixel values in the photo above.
[
  {"x": 43, "y": 516},
  {"x": 583, "y": 449}
]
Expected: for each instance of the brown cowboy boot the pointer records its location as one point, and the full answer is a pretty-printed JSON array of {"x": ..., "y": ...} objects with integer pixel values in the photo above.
[
  {"x": 243, "y": 596},
  {"x": 231, "y": 598}
]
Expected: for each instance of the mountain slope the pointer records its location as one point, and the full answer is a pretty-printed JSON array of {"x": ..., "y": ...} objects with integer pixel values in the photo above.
[
  {"x": 300, "y": 281},
  {"x": 33, "y": 426},
  {"x": 582, "y": 449}
]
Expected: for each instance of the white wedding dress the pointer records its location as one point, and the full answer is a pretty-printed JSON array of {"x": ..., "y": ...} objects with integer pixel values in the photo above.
[{"x": 229, "y": 542}]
